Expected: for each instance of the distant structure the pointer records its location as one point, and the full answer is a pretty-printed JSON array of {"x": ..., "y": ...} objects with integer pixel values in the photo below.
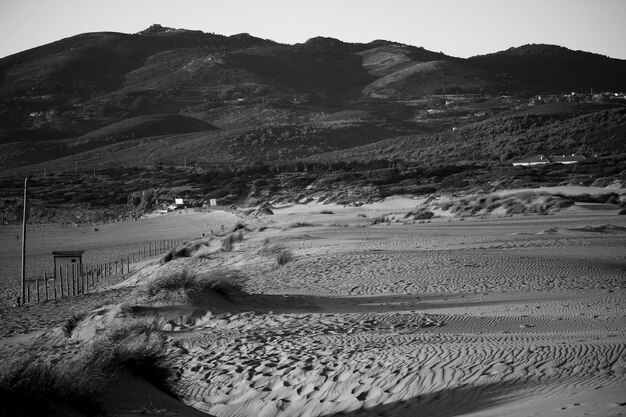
[
  {"x": 67, "y": 262},
  {"x": 532, "y": 161},
  {"x": 552, "y": 159}
]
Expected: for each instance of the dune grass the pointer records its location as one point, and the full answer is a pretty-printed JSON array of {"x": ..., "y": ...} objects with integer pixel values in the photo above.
[
  {"x": 228, "y": 241},
  {"x": 185, "y": 250},
  {"x": 284, "y": 256},
  {"x": 70, "y": 324},
  {"x": 183, "y": 284},
  {"x": 31, "y": 384}
]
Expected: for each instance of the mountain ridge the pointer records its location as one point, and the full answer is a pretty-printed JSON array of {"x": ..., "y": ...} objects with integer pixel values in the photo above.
[{"x": 83, "y": 84}]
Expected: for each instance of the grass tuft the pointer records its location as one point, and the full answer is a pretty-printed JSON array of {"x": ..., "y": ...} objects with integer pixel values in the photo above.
[
  {"x": 190, "y": 286},
  {"x": 33, "y": 385},
  {"x": 228, "y": 241},
  {"x": 186, "y": 249},
  {"x": 284, "y": 256},
  {"x": 71, "y": 323},
  {"x": 300, "y": 224}
]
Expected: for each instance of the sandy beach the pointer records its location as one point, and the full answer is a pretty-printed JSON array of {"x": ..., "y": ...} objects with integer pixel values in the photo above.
[{"x": 492, "y": 316}]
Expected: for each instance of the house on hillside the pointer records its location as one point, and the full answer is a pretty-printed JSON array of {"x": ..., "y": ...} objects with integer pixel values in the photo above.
[
  {"x": 552, "y": 159},
  {"x": 532, "y": 161},
  {"x": 567, "y": 159}
]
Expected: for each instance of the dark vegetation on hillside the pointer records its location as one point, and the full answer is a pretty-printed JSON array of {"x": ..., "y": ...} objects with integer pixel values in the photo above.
[
  {"x": 83, "y": 197},
  {"x": 550, "y": 69},
  {"x": 113, "y": 125}
]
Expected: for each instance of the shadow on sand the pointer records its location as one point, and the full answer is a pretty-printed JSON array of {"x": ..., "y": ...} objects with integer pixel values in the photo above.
[{"x": 451, "y": 402}]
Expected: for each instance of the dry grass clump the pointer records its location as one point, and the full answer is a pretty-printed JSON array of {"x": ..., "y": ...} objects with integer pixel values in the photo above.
[
  {"x": 33, "y": 385},
  {"x": 71, "y": 323},
  {"x": 284, "y": 257},
  {"x": 185, "y": 285},
  {"x": 521, "y": 203},
  {"x": 379, "y": 220},
  {"x": 136, "y": 346},
  {"x": 420, "y": 214},
  {"x": 300, "y": 224},
  {"x": 186, "y": 249},
  {"x": 228, "y": 241},
  {"x": 236, "y": 227}
]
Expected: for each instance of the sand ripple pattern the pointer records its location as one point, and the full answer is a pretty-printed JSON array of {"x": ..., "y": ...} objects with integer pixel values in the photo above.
[
  {"x": 380, "y": 272},
  {"x": 386, "y": 363}
]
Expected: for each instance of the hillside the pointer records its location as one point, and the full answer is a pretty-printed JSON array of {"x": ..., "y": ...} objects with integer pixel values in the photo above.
[
  {"x": 549, "y": 129},
  {"x": 231, "y": 113},
  {"x": 550, "y": 69},
  {"x": 32, "y": 152},
  {"x": 76, "y": 85}
]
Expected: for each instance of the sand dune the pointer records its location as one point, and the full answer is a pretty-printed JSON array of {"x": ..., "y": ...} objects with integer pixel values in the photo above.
[{"x": 482, "y": 317}]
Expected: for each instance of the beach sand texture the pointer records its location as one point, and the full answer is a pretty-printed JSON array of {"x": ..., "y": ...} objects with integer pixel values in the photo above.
[{"x": 520, "y": 316}]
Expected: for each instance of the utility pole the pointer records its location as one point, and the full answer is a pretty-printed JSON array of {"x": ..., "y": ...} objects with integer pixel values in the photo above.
[{"x": 24, "y": 241}]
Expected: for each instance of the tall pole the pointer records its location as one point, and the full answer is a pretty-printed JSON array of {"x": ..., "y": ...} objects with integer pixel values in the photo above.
[{"x": 24, "y": 241}]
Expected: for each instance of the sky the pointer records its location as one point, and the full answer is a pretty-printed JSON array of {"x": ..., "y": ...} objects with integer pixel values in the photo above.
[{"x": 459, "y": 28}]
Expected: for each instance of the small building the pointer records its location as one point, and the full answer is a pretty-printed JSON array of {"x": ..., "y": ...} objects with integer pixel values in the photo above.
[
  {"x": 67, "y": 263},
  {"x": 568, "y": 159},
  {"x": 532, "y": 161},
  {"x": 552, "y": 159}
]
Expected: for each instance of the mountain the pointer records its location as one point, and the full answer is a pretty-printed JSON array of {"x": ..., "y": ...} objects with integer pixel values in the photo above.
[
  {"x": 550, "y": 69},
  {"x": 162, "y": 94}
]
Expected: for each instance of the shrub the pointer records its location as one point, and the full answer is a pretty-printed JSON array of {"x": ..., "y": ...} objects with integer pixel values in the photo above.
[
  {"x": 300, "y": 224},
  {"x": 378, "y": 220},
  {"x": 227, "y": 242},
  {"x": 327, "y": 212},
  {"x": 191, "y": 285},
  {"x": 284, "y": 256},
  {"x": 185, "y": 250},
  {"x": 420, "y": 214}
]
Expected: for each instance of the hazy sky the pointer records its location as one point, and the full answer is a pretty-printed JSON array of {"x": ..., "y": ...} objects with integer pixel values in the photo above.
[{"x": 456, "y": 27}]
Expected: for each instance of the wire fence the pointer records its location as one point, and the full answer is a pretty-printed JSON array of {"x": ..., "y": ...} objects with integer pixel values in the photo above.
[{"x": 76, "y": 279}]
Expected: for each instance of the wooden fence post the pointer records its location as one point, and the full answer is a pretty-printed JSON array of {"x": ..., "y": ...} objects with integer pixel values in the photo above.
[
  {"x": 73, "y": 287},
  {"x": 67, "y": 280},
  {"x": 54, "y": 286},
  {"x": 61, "y": 279},
  {"x": 28, "y": 293},
  {"x": 37, "y": 286},
  {"x": 45, "y": 280}
]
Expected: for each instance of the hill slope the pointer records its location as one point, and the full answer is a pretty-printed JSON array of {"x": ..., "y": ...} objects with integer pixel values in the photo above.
[{"x": 71, "y": 98}]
